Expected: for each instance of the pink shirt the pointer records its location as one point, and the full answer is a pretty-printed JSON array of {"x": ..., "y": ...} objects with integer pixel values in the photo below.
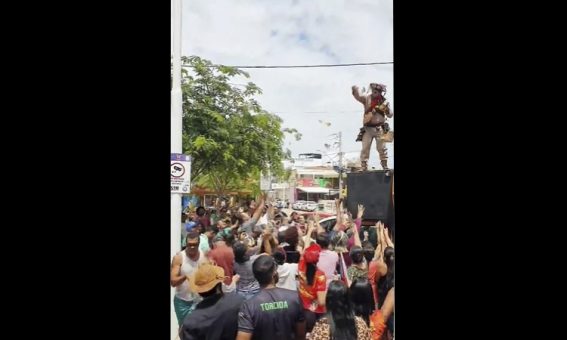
[
  {"x": 328, "y": 264},
  {"x": 223, "y": 256}
]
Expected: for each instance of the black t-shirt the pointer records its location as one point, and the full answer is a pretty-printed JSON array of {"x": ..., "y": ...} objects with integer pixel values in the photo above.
[
  {"x": 215, "y": 317},
  {"x": 271, "y": 314}
]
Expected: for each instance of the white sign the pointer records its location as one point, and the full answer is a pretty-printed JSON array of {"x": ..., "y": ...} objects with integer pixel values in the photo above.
[
  {"x": 265, "y": 183},
  {"x": 328, "y": 206},
  {"x": 280, "y": 186},
  {"x": 180, "y": 173}
]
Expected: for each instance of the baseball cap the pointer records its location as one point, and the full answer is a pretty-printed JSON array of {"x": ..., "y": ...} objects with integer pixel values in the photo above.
[{"x": 206, "y": 278}]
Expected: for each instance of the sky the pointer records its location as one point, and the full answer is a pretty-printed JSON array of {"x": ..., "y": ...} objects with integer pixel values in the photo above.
[{"x": 301, "y": 32}]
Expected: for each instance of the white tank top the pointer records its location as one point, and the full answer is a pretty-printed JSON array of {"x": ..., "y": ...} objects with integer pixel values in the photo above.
[{"x": 188, "y": 267}]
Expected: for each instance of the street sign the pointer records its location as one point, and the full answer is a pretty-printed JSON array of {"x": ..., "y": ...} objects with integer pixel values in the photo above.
[{"x": 180, "y": 173}]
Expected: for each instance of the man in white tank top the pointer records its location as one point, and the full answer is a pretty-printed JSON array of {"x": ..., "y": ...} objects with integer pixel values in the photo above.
[{"x": 184, "y": 264}]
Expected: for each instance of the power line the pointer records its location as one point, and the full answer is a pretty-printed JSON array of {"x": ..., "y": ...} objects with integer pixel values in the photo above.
[
  {"x": 305, "y": 66},
  {"x": 330, "y": 112}
]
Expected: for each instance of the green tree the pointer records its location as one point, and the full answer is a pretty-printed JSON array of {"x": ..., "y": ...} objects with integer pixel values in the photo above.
[
  {"x": 225, "y": 130},
  {"x": 223, "y": 185}
]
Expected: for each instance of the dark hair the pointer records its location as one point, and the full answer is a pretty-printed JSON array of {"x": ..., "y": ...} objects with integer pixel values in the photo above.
[
  {"x": 279, "y": 256},
  {"x": 342, "y": 324},
  {"x": 201, "y": 211},
  {"x": 362, "y": 298},
  {"x": 193, "y": 234},
  {"x": 198, "y": 227},
  {"x": 390, "y": 276},
  {"x": 323, "y": 240},
  {"x": 263, "y": 268},
  {"x": 212, "y": 228},
  {"x": 213, "y": 291},
  {"x": 390, "y": 262},
  {"x": 368, "y": 250},
  {"x": 310, "y": 272},
  {"x": 256, "y": 233},
  {"x": 356, "y": 254},
  {"x": 240, "y": 252},
  {"x": 281, "y": 236},
  {"x": 292, "y": 256},
  {"x": 387, "y": 282},
  {"x": 229, "y": 239},
  {"x": 389, "y": 256},
  {"x": 291, "y": 237},
  {"x": 235, "y": 218}
]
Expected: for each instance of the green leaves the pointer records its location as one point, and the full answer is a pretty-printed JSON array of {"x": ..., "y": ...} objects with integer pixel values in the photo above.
[
  {"x": 293, "y": 132},
  {"x": 199, "y": 142},
  {"x": 203, "y": 144},
  {"x": 225, "y": 130}
]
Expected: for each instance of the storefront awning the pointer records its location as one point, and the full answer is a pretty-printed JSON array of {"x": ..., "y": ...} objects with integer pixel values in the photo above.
[{"x": 314, "y": 190}]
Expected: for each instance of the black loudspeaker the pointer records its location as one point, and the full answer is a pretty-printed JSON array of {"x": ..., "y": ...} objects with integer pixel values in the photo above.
[{"x": 373, "y": 189}]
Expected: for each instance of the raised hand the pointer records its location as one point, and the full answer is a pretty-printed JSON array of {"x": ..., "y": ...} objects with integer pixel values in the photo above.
[{"x": 360, "y": 211}]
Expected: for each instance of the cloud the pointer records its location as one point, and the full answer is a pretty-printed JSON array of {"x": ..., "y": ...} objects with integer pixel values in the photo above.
[{"x": 300, "y": 32}]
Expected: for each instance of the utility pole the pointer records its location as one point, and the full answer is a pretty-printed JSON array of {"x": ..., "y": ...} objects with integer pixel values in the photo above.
[
  {"x": 176, "y": 142},
  {"x": 176, "y": 123},
  {"x": 340, "y": 163}
]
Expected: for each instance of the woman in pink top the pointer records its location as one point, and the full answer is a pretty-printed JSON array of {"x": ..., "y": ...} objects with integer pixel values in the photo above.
[{"x": 328, "y": 259}]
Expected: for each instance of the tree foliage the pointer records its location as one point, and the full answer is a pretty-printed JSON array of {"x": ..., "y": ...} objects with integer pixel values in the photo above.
[{"x": 225, "y": 130}]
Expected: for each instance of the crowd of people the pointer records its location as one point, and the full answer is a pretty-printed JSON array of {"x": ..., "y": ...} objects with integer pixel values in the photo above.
[{"x": 252, "y": 272}]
